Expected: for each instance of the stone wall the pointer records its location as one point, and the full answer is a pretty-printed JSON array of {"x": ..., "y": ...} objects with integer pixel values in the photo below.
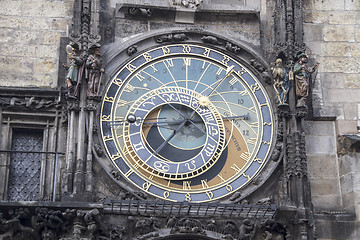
[
  {"x": 30, "y": 32},
  {"x": 332, "y": 35}
]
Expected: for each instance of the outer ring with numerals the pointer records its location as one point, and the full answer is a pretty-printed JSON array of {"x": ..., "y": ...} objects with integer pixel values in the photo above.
[{"x": 220, "y": 82}]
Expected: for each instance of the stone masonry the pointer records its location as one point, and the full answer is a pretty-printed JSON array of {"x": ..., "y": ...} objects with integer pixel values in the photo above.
[
  {"x": 30, "y": 34},
  {"x": 332, "y": 35}
]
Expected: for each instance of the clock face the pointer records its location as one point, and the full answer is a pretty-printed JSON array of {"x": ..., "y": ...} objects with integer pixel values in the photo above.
[{"x": 186, "y": 122}]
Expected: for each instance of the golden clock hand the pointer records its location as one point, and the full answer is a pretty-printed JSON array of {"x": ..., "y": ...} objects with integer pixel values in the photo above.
[{"x": 229, "y": 70}]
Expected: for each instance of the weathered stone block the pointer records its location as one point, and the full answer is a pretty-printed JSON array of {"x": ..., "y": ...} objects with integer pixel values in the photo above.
[
  {"x": 341, "y": 33},
  {"x": 313, "y": 32},
  {"x": 40, "y": 23},
  {"x": 44, "y": 51},
  {"x": 346, "y": 127},
  {"x": 347, "y": 184},
  {"x": 45, "y": 66},
  {"x": 350, "y": 111},
  {"x": 346, "y": 164},
  {"x": 322, "y": 166},
  {"x": 24, "y": 37},
  {"x": 14, "y": 22},
  {"x": 324, "y": 5},
  {"x": 313, "y": 16},
  {"x": 60, "y": 24},
  {"x": 320, "y": 144},
  {"x": 47, "y": 9},
  {"x": 326, "y": 202},
  {"x": 340, "y": 65},
  {"x": 333, "y": 80},
  {"x": 51, "y": 38},
  {"x": 351, "y": 4},
  {"x": 344, "y": 17},
  {"x": 11, "y": 7},
  {"x": 320, "y": 128},
  {"x": 324, "y": 186},
  {"x": 339, "y": 49}
]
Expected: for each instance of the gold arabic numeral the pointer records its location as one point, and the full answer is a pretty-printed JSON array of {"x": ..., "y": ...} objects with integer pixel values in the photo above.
[
  {"x": 219, "y": 71},
  {"x": 187, "y": 62},
  {"x": 186, "y": 185},
  {"x": 129, "y": 88},
  {"x": 251, "y": 141},
  {"x": 186, "y": 49},
  {"x": 106, "y": 117},
  {"x": 241, "y": 72},
  {"x": 226, "y": 60},
  {"x": 265, "y": 142},
  {"x": 187, "y": 197},
  {"x": 109, "y": 99},
  {"x": 207, "y": 52},
  {"x": 108, "y": 138},
  {"x": 210, "y": 194},
  {"x": 266, "y": 123},
  {"x": 255, "y": 87},
  {"x": 146, "y": 186},
  {"x": 205, "y": 185},
  {"x": 118, "y": 81},
  {"x": 236, "y": 168},
  {"x": 229, "y": 188},
  {"x": 165, "y": 50},
  {"x": 245, "y": 156},
  {"x": 259, "y": 160},
  {"x": 247, "y": 176},
  {"x": 166, "y": 194},
  {"x": 130, "y": 67},
  {"x": 140, "y": 77},
  {"x": 147, "y": 56},
  {"x": 169, "y": 62}
]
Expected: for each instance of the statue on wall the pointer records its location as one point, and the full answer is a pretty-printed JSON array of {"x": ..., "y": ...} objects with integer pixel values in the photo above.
[
  {"x": 74, "y": 68},
  {"x": 281, "y": 81},
  {"x": 94, "y": 71},
  {"x": 302, "y": 76}
]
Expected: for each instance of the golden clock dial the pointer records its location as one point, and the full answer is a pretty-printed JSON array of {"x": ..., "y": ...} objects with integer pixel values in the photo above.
[{"x": 187, "y": 123}]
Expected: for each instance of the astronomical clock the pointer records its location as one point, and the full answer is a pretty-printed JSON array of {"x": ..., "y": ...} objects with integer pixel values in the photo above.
[{"x": 186, "y": 122}]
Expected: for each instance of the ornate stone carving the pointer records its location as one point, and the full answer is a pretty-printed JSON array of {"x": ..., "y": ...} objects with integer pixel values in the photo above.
[
  {"x": 179, "y": 37},
  {"x": 188, "y": 3},
  {"x": 147, "y": 12},
  {"x": 232, "y": 48},
  {"x": 258, "y": 66},
  {"x": 34, "y": 103},
  {"x": 211, "y": 39},
  {"x": 131, "y": 50}
]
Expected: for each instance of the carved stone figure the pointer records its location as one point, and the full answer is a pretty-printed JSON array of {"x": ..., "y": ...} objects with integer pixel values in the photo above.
[
  {"x": 74, "y": 68},
  {"x": 247, "y": 230},
  {"x": 281, "y": 81},
  {"x": 95, "y": 70},
  {"x": 302, "y": 74}
]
